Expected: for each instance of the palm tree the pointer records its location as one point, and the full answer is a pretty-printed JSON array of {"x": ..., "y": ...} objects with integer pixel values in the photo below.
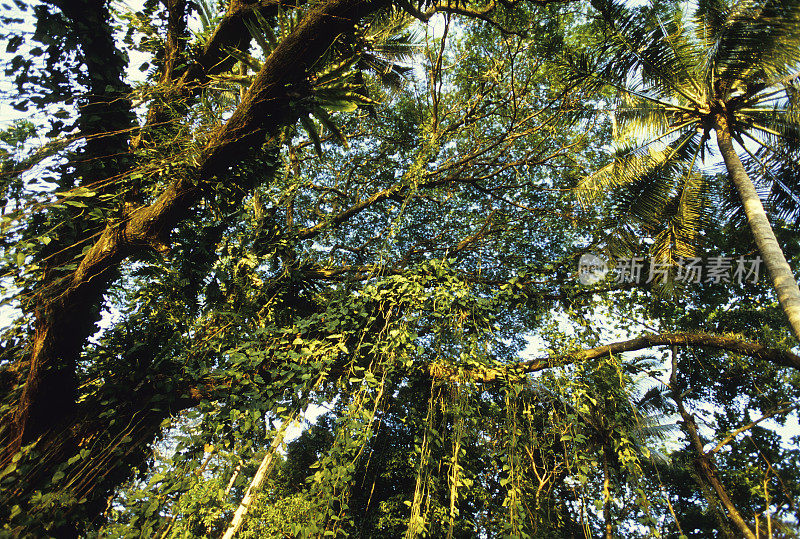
[{"x": 726, "y": 74}]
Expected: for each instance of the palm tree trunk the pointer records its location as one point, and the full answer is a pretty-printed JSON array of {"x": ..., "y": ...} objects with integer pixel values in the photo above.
[{"x": 782, "y": 277}]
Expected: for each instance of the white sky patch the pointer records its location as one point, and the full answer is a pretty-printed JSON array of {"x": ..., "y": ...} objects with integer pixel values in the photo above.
[{"x": 312, "y": 413}]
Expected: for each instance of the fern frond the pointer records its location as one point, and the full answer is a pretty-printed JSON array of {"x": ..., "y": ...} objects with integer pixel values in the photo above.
[
  {"x": 313, "y": 133},
  {"x": 327, "y": 122}
]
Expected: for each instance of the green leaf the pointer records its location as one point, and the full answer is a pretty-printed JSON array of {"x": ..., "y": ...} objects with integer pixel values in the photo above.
[
  {"x": 82, "y": 192},
  {"x": 311, "y": 129}
]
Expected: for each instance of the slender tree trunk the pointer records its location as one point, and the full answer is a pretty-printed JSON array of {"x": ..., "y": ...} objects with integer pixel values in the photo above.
[
  {"x": 258, "y": 480},
  {"x": 699, "y": 474},
  {"x": 609, "y": 528},
  {"x": 782, "y": 276},
  {"x": 233, "y": 477},
  {"x": 704, "y": 465}
]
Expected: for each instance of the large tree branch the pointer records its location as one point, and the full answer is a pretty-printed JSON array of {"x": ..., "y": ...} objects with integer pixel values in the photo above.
[
  {"x": 720, "y": 342},
  {"x": 265, "y": 108}
]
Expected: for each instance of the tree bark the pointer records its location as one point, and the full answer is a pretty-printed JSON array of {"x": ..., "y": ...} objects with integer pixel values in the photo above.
[
  {"x": 781, "y": 273},
  {"x": 105, "y": 118},
  {"x": 720, "y": 342}
]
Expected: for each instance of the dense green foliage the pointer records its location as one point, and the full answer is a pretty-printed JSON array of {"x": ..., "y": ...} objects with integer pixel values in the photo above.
[{"x": 222, "y": 221}]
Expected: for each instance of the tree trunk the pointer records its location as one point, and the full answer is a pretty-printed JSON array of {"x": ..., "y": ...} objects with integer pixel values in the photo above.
[
  {"x": 104, "y": 120},
  {"x": 699, "y": 474},
  {"x": 782, "y": 276},
  {"x": 609, "y": 528},
  {"x": 258, "y": 480},
  {"x": 704, "y": 465},
  {"x": 233, "y": 477}
]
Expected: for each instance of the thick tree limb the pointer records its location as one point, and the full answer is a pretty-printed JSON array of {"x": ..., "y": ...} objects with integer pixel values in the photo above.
[
  {"x": 265, "y": 108},
  {"x": 721, "y": 342}
]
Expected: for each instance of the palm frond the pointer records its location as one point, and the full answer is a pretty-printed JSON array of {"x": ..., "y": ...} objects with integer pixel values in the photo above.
[
  {"x": 654, "y": 399},
  {"x": 313, "y": 133},
  {"x": 637, "y": 118},
  {"x": 390, "y": 74},
  {"x": 682, "y": 221},
  {"x": 655, "y": 192},
  {"x": 656, "y": 52},
  {"x": 658, "y": 431},
  {"x": 207, "y": 13},
  {"x": 777, "y": 165},
  {"x": 393, "y": 26},
  {"x": 261, "y": 31},
  {"x": 684, "y": 62},
  {"x": 643, "y": 163},
  {"x": 774, "y": 122},
  {"x": 710, "y": 17},
  {"x": 391, "y": 44},
  {"x": 757, "y": 42},
  {"x": 784, "y": 197},
  {"x": 336, "y": 74},
  {"x": 325, "y": 119}
]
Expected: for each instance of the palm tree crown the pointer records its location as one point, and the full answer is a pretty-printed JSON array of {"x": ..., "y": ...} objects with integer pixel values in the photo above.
[{"x": 729, "y": 73}]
